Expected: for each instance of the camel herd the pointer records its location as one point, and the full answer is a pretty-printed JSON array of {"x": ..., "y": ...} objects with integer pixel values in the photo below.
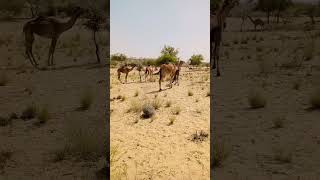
[{"x": 170, "y": 71}]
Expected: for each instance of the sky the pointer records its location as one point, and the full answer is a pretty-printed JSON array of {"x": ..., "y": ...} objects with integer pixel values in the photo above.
[{"x": 141, "y": 28}]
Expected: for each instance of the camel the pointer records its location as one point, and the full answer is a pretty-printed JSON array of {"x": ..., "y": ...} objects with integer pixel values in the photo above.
[
  {"x": 148, "y": 72},
  {"x": 256, "y": 22},
  {"x": 48, "y": 28},
  {"x": 169, "y": 70},
  {"x": 125, "y": 69},
  {"x": 139, "y": 69},
  {"x": 217, "y": 21}
]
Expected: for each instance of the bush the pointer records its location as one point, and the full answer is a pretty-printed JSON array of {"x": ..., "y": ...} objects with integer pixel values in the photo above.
[
  {"x": 257, "y": 100},
  {"x": 315, "y": 99},
  {"x": 86, "y": 101},
  {"x": 29, "y": 113},
  {"x": 165, "y": 59},
  {"x": 148, "y": 111},
  {"x": 4, "y": 121}
]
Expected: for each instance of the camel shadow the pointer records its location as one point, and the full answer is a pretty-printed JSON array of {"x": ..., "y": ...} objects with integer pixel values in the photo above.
[{"x": 157, "y": 91}]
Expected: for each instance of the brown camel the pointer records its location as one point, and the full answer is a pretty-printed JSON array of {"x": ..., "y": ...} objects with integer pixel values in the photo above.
[
  {"x": 148, "y": 72},
  {"x": 256, "y": 22},
  {"x": 139, "y": 69},
  {"x": 49, "y": 28},
  {"x": 216, "y": 27},
  {"x": 125, "y": 69},
  {"x": 169, "y": 70}
]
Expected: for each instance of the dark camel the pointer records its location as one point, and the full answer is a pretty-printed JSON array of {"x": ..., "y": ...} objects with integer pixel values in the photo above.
[
  {"x": 125, "y": 69},
  {"x": 49, "y": 28},
  {"x": 257, "y": 22},
  {"x": 169, "y": 70},
  {"x": 217, "y": 21}
]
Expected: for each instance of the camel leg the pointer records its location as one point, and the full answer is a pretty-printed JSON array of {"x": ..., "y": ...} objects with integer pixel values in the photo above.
[
  {"x": 217, "y": 52},
  {"x": 160, "y": 81},
  {"x": 54, "y": 42},
  {"x": 119, "y": 74},
  {"x": 140, "y": 76},
  {"x": 126, "y": 77}
]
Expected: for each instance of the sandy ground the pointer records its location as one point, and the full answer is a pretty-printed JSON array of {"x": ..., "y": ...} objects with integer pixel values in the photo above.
[
  {"x": 151, "y": 148},
  {"x": 34, "y": 148},
  {"x": 256, "y": 148}
]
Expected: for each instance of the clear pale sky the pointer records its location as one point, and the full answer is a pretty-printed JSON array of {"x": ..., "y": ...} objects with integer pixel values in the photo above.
[{"x": 140, "y": 28}]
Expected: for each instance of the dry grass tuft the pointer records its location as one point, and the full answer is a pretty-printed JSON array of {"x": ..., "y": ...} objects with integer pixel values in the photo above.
[
  {"x": 156, "y": 103},
  {"x": 135, "y": 106},
  {"x": 148, "y": 111},
  {"x": 171, "y": 120},
  {"x": 199, "y": 137},
  {"x": 5, "y": 121},
  {"x": 190, "y": 93},
  {"x": 257, "y": 100},
  {"x": 315, "y": 99},
  {"x": 118, "y": 170},
  {"x": 3, "y": 79},
  {"x": 86, "y": 100},
  {"x": 168, "y": 104},
  {"x": 176, "y": 110},
  {"x": 5, "y": 156},
  {"x": 282, "y": 156},
  {"x": 278, "y": 122},
  {"x": 29, "y": 112}
]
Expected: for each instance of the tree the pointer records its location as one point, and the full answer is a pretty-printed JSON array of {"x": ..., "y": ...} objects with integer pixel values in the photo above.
[
  {"x": 280, "y": 6},
  {"x": 267, "y": 6},
  {"x": 169, "y": 50},
  {"x": 118, "y": 57},
  {"x": 168, "y": 55},
  {"x": 196, "y": 59},
  {"x": 12, "y": 7}
]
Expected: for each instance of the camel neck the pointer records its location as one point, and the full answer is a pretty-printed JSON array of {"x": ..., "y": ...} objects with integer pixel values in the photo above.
[
  {"x": 250, "y": 18},
  {"x": 69, "y": 24}
]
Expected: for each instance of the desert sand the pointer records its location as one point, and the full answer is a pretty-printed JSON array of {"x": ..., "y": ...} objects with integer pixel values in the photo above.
[
  {"x": 154, "y": 148},
  {"x": 280, "y": 140},
  {"x": 33, "y": 150}
]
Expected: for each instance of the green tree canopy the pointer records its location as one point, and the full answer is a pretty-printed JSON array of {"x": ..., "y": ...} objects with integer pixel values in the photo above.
[
  {"x": 118, "y": 57},
  {"x": 196, "y": 59},
  {"x": 169, "y": 54}
]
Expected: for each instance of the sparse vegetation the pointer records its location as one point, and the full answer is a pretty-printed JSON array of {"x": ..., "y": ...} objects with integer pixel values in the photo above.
[
  {"x": 190, "y": 93},
  {"x": 168, "y": 104},
  {"x": 5, "y": 156},
  {"x": 256, "y": 99},
  {"x": 135, "y": 106},
  {"x": 199, "y": 137},
  {"x": 29, "y": 112},
  {"x": 282, "y": 156},
  {"x": 3, "y": 79},
  {"x": 278, "y": 122},
  {"x": 148, "y": 110},
  {"x": 43, "y": 116},
  {"x": 171, "y": 120},
  {"x": 86, "y": 100},
  {"x": 4, "y": 121},
  {"x": 176, "y": 110},
  {"x": 156, "y": 103},
  {"x": 315, "y": 99}
]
